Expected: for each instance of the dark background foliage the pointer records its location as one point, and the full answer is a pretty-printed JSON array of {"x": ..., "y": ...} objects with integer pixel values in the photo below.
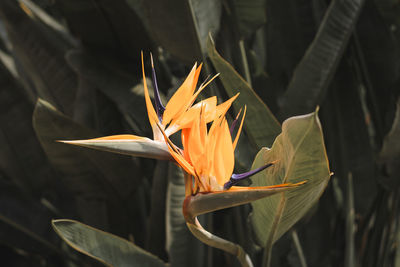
[{"x": 83, "y": 57}]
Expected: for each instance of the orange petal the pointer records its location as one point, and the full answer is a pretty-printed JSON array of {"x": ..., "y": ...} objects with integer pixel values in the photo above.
[
  {"x": 187, "y": 118},
  {"x": 223, "y": 108},
  {"x": 240, "y": 129},
  {"x": 224, "y": 159},
  {"x": 153, "y": 119},
  {"x": 176, "y": 155},
  {"x": 179, "y": 102}
]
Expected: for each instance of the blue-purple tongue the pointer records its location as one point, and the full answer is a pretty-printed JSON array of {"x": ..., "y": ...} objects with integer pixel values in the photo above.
[{"x": 235, "y": 178}]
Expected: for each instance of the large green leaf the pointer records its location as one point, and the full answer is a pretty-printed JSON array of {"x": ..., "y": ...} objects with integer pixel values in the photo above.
[
  {"x": 300, "y": 154},
  {"x": 260, "y": 124},
  {"x": 313, "y": 74},
  {"x": 104, "y": 247}
]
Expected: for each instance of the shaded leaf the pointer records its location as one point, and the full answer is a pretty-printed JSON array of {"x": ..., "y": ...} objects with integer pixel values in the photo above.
[
  {"x": 115, "y": 82},
  {"x": 29, "y": 170},
  {"x": 260, "y": 124},
  {"x": 250, "y": 15},
  {"x": 106, "y": 26},
  {"x": 25, "y": 222},
  {"x": 155, "y": 242},
  {"x": 313, "y": 74},
  {"x": 389, "y": 156},
  {"x": 104, "y": 247},
  {"x": 100, "y": 181},
  {"x": 300, "y": 154},
  {"x": 195, "y": 18},
  {"x": 40, "y": 53},
  {"x": 183, "y": 248}
]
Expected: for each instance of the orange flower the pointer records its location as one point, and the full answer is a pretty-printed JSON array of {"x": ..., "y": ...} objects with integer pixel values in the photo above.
[{"x": 178, "y": 114}]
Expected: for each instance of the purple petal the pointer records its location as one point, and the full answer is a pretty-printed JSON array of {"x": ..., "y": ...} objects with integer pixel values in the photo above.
[
  {"x": 157, "y": 99},
  {"x": 235, "y": 178}
]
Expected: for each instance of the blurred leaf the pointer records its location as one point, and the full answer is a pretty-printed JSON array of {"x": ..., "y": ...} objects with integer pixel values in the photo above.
[
  {"x": 378, "y": 58},
  {"x": 250, "y": 15},
  {"x": 155, "y": 242},
  {"x": 350, "y": 257},
  {"x": 29, "y": 170},
  {"x": 25, "y": 222},
  {"x": 116, "y": 83},
  {"x": 260, "y": 124},
  {"x": 183, "y": 248},
  {"x": 38, "y": 13},
  {"x": 300, "y": 154},
  {"x": 196, "y": 18},
  {"x": 40, "y": 53},
  {"x": 104, "y": 247},
  {"x": 389, "y": 156},
  {"x": 105, "y": 26},
  {"x": 101, "y": 181},
  {"x": 348, "y": 138},
  {"x": 313, "y": 74}
]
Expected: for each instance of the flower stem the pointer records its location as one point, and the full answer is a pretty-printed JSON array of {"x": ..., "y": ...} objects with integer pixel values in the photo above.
[{"x": 214, "y": 241}]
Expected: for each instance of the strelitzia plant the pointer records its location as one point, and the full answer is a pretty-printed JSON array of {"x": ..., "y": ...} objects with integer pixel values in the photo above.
[
  {"x": 207, "y": 160},
  {"x": 207, "y": 157}
]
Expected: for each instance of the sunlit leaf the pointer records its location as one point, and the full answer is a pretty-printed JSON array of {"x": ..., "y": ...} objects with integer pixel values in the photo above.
[
  {"x": 260, "y": 124},
  {"x": 300, "y": 154},
  {"x": 104, "y": 247}
]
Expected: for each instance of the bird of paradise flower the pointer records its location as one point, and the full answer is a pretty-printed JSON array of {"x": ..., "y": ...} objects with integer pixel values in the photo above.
[{"x": 207, "y": 157}]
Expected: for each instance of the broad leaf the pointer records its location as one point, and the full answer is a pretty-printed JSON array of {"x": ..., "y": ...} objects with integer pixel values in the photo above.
[
  {"x": 195, "y": 19},
  {"x": 313, "y": 74},
  {"x": 106, "y": 28},
  {"x": 260, "y": 124},
  {"x": 250, "y": 15},
  {"x": 100, "y": 181},
  {"x": 25, "y": 222},
  {"x": 115, "y": 82},
  {"x": 300, "y": 154},
  {"x": 39, "y": 50},
  {"x": 104, "y": 247}
]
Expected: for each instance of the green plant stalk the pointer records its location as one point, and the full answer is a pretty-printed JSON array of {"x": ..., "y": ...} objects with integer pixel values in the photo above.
[{"x": 299, "y": 249}]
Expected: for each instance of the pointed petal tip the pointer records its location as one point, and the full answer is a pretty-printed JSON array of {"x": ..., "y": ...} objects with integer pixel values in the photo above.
[{"x": 67, "y": 141}]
